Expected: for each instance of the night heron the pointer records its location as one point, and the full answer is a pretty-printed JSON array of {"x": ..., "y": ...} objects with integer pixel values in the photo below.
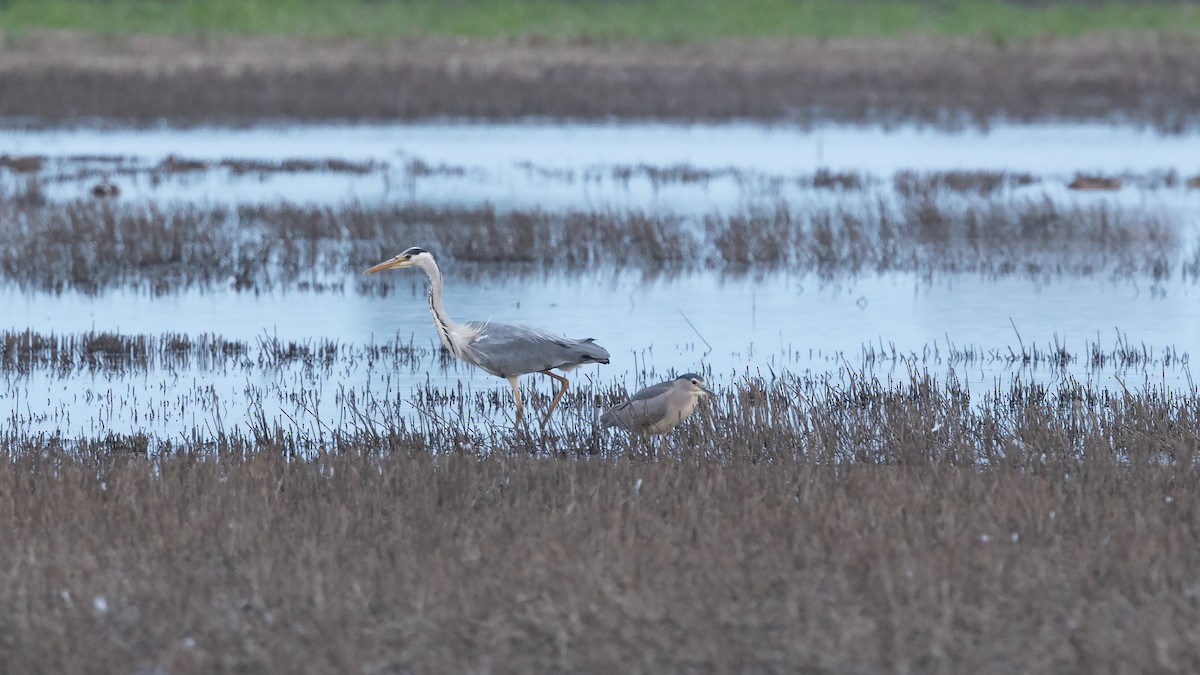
[
  {"x": 502, "y": 349},
  {"x": 658, "y": 408}
]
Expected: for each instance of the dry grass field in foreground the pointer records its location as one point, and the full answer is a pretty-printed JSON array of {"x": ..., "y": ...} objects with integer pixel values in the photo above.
[{"x": 899, "y": 530}]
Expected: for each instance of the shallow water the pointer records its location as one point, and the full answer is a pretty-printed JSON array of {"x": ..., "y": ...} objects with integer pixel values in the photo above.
[
  {"x": 972, "y": 325},
  {"x": 1040, "y": 148},
  {"x": 884, "y": 325}
]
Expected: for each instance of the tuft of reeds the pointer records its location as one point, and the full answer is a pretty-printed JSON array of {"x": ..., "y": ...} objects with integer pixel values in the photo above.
[
  {"x": 26, "y": 350},
  {"x": 911, "y": 184},
  {"x": 1089, "y": 182},
  {"x": 22, "y": 163}
]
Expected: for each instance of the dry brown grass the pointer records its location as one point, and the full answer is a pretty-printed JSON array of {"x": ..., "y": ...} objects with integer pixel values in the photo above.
[
  {"x": 854, "y": 534},
  {"x": 62, "y": 77}
]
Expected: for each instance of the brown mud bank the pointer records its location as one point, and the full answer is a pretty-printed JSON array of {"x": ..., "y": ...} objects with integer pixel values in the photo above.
[{"x": 55, "y": 78}]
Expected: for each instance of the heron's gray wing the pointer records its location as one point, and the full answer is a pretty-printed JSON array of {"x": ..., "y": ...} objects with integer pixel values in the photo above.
[
  {"x": 642, "y": 411},
  {"x": 653, "y": 390},
  {"x": 507, "y": 349}
]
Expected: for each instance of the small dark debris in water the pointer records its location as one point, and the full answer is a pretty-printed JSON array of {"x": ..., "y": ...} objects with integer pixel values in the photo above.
[
  {"x": 105, "y": 189},
  {"x": 837, "y": 180},
  {"x": 173, "y": 164},
  {"x": 1194, "y": 182},
  {"x": 245, "y": 166},
  {"x": 419, "y": 167},
  {"x": 1082, "y": 182},
  {"x": 22, "y": 163},
  {"x": 99, "y": 159}
]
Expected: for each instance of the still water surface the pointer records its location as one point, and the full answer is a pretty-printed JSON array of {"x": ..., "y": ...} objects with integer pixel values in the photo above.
[{"x": 570, "y": 165}]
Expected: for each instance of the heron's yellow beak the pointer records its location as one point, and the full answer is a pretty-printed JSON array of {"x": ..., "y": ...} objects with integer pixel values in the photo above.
[{"x": 387, "y": 265}]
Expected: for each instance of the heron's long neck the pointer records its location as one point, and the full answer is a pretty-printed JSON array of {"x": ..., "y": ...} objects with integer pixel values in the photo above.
[{"x": 441, "y": 321}]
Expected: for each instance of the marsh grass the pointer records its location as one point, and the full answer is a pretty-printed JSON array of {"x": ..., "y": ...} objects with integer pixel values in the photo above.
[
  {"x": 881, "y": 526},
  {"x": 92, "y": 245},
  {"x": 925, "y": 233},
  {"x": 22, "y": 351},
  {"x": 25, "y": 351}
]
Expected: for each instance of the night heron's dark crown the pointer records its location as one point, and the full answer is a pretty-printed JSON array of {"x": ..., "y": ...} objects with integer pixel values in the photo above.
[{"x": 690, "y": 376}]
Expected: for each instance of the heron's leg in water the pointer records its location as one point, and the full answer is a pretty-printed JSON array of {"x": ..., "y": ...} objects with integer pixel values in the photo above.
[
  {"x": 557, "y": 397},
  {"x": 517, "y": 396}
]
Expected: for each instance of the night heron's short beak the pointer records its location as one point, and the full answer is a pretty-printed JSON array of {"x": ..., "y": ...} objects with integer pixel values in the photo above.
[
  {"x": 385, "y": 265},
  {"x": 706, "y": 390}
]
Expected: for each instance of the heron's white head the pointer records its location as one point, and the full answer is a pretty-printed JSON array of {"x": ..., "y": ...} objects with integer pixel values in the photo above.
[
  {"x": 413, "y": 256},
  {"x": 694, "y": 385}
]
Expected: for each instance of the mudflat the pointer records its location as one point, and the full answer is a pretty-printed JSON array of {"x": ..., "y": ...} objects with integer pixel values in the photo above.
[{"x": 57, "y": 76}]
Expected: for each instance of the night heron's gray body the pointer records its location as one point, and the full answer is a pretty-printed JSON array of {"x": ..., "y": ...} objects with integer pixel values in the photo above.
[
  {"x": 502, "y": 349},
  {"x": 658, "y": 408}
]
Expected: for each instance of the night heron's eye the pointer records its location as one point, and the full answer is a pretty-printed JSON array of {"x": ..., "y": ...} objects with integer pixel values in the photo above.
[{"x": 695, "y": 381}]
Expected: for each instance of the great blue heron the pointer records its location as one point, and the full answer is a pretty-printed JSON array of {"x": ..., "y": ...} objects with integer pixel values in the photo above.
[
  {"x": 658, "y": 408},
  {"x": 503, "y": 349}
]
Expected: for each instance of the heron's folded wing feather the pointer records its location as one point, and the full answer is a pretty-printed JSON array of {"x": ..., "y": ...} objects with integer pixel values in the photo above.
[
  {"x": 652, "y": 391},
  {"x": 507, "y": 349}
]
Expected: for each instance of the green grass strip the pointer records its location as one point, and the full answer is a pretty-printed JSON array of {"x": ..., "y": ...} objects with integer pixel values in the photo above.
[{"x": 651, "y": 20}]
